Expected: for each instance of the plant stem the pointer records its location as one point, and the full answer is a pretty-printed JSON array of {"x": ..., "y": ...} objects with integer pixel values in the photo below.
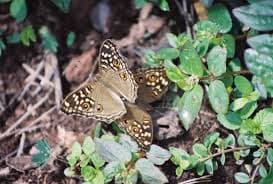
[
  {"x": 223, "y": 152},
  {"x": 252, "y": 179},
  {"x": 211, "y": 77}
]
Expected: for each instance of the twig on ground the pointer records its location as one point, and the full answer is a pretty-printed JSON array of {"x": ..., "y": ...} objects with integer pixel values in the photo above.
[
  {"x": 21, "y": 145},
  {"x": 202, "y": 179},
  {"x": 23, "y": 117}
]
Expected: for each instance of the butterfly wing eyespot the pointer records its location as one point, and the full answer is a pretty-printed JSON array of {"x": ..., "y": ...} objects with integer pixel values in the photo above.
[
  {"x": 123, "y": 76},
  {"x": 99, "y": 108},
  {"x": 152, "y": 78},
  {"x": 85, "y": 106}
]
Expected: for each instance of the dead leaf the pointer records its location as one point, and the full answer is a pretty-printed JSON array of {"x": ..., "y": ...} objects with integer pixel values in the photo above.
[
  {"x": 79, "y": 67},
  {"x": 168, "y": 126},
  {"x": 21, "y": 163}
]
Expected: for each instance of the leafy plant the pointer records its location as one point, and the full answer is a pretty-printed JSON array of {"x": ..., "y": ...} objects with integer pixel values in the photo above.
[
  {"x": 27, "y": 35},
  {"x": 162, "y": 4},
  {"x": 116, "y": 158},
  {"x": 49, "y": 41},
  {"x": 18, "y": 9}
]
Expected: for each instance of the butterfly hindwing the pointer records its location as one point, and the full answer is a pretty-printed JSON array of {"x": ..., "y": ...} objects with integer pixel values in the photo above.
[
  {"x": 94, "y": 100},
  {"x": 138, "y": 124},
  {"x": 153, "y": 83},
  {"x": 115, "y": 72}
]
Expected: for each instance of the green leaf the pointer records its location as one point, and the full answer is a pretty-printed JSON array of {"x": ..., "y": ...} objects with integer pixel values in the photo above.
[
  {"x": 209, "y": 166},
  {"x": 112, "y": 169},
  {"x": 178, "y": 155},
  {"x": 173, "y": 72},
  {"x": 14, "y": 38},
  {"x": 262, "y": 171},
  {"x": 190, "y": 62},
  {"x": 167, "y": 53},
  {"x": 158, "y": 155},
  {"x": 172, "y": 39},
  {"x": 99, "y": 178},
  {"x": 132, "y": 177},
  {"x": 250, "y": 126},
  {"x": 228, "y": 42},
  {"x": 97, "y": 130},
  {"x": 2, "y": 46},
  {"x": 127, "y": 142},
  {"x": 44, "y": 153},
  {"x": 252, "y": 16},
  {"x": 248, "y": 110},
  {"x": 150, "y": 58},
  {"x": 68, "y": 172},
  {"x": 268, "y": 178},
  {"x": 243, "y": 85},
  {"x": 218, "y": 96},
  {"x": 18, "y": 10},
  {"x": 84, "y": 160},
  {"x": 163, "y": 5},
  {"x": 265, "y": 118},
  {"x": 97, "y": 160},
  {"x": 139, "y": 3},
  {"x": 150, "y": 174},
  {"x": 235, "y": 65},
  {"x": 70, "y": 39},
  {"x": 88, "y": 173},
  {"x": 112, "y": 151},
  {"x": 211, "y": 139},
  {"x": 238, "y": 104},
  {"x": 63, "y": 5},
  {"x": 88, "y": 146},
  {"x": 202, "y": 46},
  {"x": 219, "y": 15},
  {"x": 231, "y": 120},
  {"x": 217, "y": 60},
  {"x": 200, "y": 150},
  {"x": 189, "y": 105},
  {"x": 270, "y": 156},
  {"x": 27, "y": 35},
  {"x": 242, "y": 177},
  {"x": 260, "y": 65},
  {"x": 206, "y": 29},
  {"x": 48, "y": 40},
  {"x": 262, "y": 43},
  {"x": 200, "y": 169}
]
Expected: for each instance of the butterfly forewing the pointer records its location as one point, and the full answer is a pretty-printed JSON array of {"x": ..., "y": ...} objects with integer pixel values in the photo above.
[
  {"x": 152, "y": 82},
  {"x": 115, "y": 72},
  {"x": 138, "y": 124},
  {"x": 94, "y": 100}
]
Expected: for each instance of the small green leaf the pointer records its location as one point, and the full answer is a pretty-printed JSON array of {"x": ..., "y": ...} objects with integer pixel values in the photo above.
[
  {"x": 69, "y": 172},
  {"x": 231, "y": 120},
  {"x": 248, "y": 140},
  {"x": 70, "y": 39},
  {"x": 228, "y": 42},
  {"x": 238, "y": 104},
  {"x": 112, "y": 151},
  {"x": 27, "y": 35},
  {"x": 250, "y": 126},
  {"x": 219, "y": 15},
  {"x": 139, "y": 3},
  {"x": 248, "y": 110},
  {"x": 88, "y": 146},
  {"x": 242, "y": 177},
  {"x": 200, "y": 150},
  {"x": 189, "y": 105},
  {"x": 206, "y": 28},
  {"x": 163, "y": 5},
  {"x": 112, "y": 169},
  {"x": 48, "y": 40},
  {"x": 173, "y": 72},
  {"x": 270, "y": 156},
  {"x": 97, "y": 160},
  {"x": 88, "y": 173},
  {"x": 158, "y": 155},
  {"x": 200, "y": 169},
  {"x": 132, "y": 177},
  {"x": 97, "y": 130},
  {"x": 223, "y": 159},
  {"x": 76, "y": 149},
  {"x": 18, "y": 10},
  {"x": 84, "y": 160},
  {"x": 2, "y": 46},
  {"x": 202, "y": 46},
  {"x": 211, "y": 139},
  {"x": 150, "y": 174},
  {"x": 172, "y": 39},
  {"x": 209, "y": 166},
  {"x": 178, "y": 155},
  {"x": 218, "y": 96},
  {"x": 243, "y": 85},
  {"x": 235, "y": 65},
  {"x": 127, "y": 142},
  {"x": 265, "y": 118},
  {"x": 150, "y": 58},
  {"x": 99, "y": 178},
  {"x": 44, "y": 153},
  {"x": 252, "y": 16},
  {"x": 262, "y": 171},
  {"x": 262, "y": 43},
  {"x": 217, "y": 60},
  {"x": 190, "y": 62},
  {"x": 63, "y": 5},
  {"x": 167, "y": 53}
]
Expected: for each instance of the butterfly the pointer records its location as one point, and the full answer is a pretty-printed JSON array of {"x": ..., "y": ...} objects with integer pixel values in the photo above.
[{"x": 113, "y": 92}]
